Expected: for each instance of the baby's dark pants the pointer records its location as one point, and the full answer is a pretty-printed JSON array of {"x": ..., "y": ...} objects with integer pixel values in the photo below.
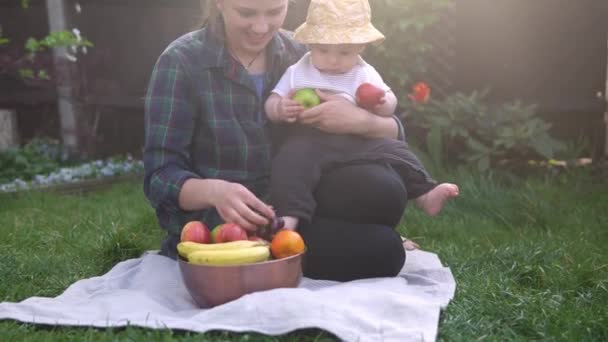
[{"x": 348, "y": 209}]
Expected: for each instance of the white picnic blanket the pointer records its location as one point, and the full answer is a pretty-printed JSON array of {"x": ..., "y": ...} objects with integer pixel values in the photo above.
[{"x": 149, "y": 292}]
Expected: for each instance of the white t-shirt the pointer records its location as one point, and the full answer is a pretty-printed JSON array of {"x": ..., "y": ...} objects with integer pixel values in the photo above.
[{"x": 304, "y": 75}]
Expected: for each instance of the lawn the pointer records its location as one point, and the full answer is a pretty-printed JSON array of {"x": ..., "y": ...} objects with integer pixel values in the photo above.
[{"x": 529, "y": 257}]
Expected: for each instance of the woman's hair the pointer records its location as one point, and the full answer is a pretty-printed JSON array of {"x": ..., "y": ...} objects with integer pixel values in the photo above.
[{"x": 212, "y": 18}]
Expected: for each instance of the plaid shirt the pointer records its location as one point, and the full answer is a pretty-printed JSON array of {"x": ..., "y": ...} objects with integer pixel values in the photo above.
[{"x": 203, "y": 121}]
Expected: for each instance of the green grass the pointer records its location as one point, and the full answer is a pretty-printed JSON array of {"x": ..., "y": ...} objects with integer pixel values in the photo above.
[{"x": 529, "y": 257}]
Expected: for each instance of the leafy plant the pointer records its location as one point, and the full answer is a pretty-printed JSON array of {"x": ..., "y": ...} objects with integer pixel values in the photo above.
[
  {"x": 27, "y": 65},
  {"x": 39, "y": 156},
  {"x": 404, "y": 55},
  {"x": 464, "y": 128}
]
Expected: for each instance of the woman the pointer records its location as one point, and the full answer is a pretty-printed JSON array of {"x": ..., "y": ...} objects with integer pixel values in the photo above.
[{"x": 208, "y": 145}]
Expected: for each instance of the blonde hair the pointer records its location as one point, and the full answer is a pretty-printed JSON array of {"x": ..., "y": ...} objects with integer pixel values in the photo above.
[{"x": 211, "y": 17}]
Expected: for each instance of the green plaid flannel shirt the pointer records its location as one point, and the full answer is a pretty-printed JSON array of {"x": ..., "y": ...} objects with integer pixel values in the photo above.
[{"x": 202, "y": 120}]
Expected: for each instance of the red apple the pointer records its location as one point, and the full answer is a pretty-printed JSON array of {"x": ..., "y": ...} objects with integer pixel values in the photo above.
[
  {"x": 196, "y": 231},
  {"x": 368, "y": 95},
  {"x": 228, "y": 232}
]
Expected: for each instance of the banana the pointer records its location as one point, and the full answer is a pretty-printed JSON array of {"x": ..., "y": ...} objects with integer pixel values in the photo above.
[
  {"x": 225, "y": 257},
  {"x": 187, "y": 247}
]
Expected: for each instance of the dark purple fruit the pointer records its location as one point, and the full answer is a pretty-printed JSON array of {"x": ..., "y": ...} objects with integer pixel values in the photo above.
[{"x": 276, "y": 224}]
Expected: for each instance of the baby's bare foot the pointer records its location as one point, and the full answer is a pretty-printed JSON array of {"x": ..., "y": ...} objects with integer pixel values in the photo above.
[
  {"x": 409, "y": 244},
  {"x": 290, "y": 222},
  {"x": 432, "y": 202}
]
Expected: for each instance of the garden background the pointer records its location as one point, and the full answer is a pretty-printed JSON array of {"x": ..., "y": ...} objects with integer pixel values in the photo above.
[{"x": 516, "y": 116}]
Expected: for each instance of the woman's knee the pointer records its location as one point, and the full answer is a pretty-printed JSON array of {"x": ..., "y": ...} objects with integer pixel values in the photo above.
[
  {"x": 367, "y": 193},
  {"x": 346, "y": 251}
]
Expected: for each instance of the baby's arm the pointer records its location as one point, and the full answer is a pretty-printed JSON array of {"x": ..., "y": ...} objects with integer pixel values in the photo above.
[
  {"x": 280, "y": 108},
  {"x": 388, "y": 105}
]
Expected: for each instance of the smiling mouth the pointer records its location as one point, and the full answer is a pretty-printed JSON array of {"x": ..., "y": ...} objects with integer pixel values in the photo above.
[{"x": 256, "y": 39}]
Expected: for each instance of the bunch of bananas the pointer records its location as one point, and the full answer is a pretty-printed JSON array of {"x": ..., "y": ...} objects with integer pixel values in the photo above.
[{"x": 226, "y": 253}]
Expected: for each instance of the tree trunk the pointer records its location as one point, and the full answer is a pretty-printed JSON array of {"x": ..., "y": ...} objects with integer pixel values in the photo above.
[{"x": 70, "y": 115}]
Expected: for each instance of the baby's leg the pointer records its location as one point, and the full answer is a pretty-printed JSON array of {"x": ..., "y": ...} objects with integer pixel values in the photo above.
[
  {"x": 433, "y": 201},
  {"x": 295, "y": 172}
]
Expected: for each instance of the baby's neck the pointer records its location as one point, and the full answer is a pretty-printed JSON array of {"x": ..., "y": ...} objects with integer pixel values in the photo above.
[{"x": 332, "y": 73}]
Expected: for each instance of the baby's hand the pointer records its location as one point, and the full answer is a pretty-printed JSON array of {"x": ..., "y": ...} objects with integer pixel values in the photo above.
[
  {"x": 381, "y": 103},
  {"x": 288, "y": 110}
]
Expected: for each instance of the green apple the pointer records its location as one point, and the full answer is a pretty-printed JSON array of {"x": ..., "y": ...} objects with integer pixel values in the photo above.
[{"x": 307, "y": 97}]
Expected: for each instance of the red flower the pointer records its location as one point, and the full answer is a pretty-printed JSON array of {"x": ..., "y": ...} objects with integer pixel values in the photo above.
[{"x": 421, "y": 93}]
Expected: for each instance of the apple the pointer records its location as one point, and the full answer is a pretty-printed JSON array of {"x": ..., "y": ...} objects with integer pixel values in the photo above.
[
  {"x": 195, "y": 231},
  {"x": 215, "y": 233},
  {"x": 368, "y": 95},
  {"x": 307, "y": 97},
  {"x": 228, "y": 232}
]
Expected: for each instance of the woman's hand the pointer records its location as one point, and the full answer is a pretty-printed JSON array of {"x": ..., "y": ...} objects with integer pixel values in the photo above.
[
  {"x": 337, "y": 115},
  {"x": 233, "y": 201},
  {"x": 236, "y": 204}
]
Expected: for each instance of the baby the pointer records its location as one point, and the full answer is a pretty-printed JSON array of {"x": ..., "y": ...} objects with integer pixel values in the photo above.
[{"x": 334, "y": 65}]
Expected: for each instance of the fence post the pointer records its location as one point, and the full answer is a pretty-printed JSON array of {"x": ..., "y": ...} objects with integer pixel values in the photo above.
[
  {"x": 69, "y": 110},
  {"x": 606, "y": 105},
  {"x": 8, "y": 129}
]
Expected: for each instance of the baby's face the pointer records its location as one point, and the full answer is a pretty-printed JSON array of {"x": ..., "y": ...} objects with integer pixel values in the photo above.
[{"x": 335, "y": 58}]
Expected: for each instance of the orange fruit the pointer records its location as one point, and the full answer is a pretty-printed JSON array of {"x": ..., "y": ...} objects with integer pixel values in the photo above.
[{"x": 286, "y": 243}]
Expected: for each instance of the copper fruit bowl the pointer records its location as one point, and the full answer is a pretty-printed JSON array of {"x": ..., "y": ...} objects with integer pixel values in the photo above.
[{"x": 215, "y": 285}]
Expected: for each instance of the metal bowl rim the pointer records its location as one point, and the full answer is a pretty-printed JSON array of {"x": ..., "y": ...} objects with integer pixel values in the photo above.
[{"x": 267, "y": 262}]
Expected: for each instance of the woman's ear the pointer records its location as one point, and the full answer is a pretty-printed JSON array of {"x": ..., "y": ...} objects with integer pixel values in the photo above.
[{"x": 219, "y": 4}]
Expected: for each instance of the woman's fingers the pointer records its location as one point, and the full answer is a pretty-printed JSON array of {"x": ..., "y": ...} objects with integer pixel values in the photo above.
[
  {"x": 263, "y": 209},
  {"x": 239, "y": 205},
  {"x": 323, "y": 95},
  {"x": 311, "y": 115},
  {"x": 252, "y": 219}
]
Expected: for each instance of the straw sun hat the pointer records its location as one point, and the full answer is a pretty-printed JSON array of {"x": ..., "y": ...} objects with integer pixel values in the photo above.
[{"x": 338, "y": 22}]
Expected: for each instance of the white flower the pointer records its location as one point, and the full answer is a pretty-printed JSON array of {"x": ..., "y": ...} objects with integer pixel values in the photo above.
[
  {"x": 94, "y": 169},
  {"x": 76, "y": 32}
]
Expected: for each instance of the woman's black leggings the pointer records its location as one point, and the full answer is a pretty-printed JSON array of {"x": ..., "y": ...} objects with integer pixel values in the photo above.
[{"x": 351, "y": 235}]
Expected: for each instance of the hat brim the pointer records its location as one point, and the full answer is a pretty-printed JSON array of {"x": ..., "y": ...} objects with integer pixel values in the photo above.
[{"x": 309, "y": 34}]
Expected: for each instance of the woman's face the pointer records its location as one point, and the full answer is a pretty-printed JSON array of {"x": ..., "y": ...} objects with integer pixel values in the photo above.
[{"x": 251, "y": 24}]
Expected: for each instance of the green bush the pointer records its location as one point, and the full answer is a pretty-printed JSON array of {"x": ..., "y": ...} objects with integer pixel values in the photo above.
[
  {"x": 463, "y": 128},
  {"x": 403, "y": 56},
  {"x": 39, "y": 156}
]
